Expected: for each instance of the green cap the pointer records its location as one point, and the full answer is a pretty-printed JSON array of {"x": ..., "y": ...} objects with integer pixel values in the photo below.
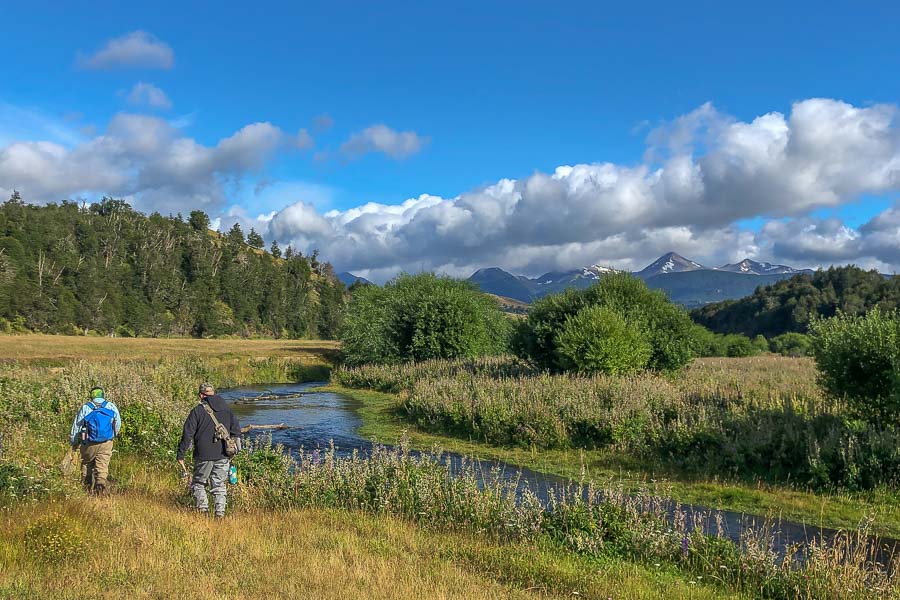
[{"x": 96, "y": 392}]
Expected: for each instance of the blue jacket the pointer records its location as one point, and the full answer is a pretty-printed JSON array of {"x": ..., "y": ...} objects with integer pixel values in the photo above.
[{"x": 75, "y": 436}]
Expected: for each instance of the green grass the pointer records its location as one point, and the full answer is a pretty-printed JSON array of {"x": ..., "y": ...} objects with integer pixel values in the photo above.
[{"x": 383, "y": 421}]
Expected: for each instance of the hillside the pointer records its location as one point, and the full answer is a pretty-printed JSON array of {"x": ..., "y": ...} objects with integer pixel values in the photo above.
[
  {"x": 789, "y": 304},
  {"x": 72, "y": 268}
]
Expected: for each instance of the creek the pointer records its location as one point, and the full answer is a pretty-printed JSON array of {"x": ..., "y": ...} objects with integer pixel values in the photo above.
[{"x": 315, "y": 419}]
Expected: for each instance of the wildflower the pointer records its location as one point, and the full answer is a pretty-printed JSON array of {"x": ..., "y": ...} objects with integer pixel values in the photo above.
[{"x": 684, "y": 546}]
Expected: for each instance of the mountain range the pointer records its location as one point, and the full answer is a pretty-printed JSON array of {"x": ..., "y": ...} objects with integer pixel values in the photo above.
[{"x": 685, "y": 281}]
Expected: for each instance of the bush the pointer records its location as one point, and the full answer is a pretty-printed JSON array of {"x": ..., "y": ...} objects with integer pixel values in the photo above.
[
  {"x": 422, "y": 317},
  {"x": 600, "y": 340},
  {"x": 791, "y": 344},
  {"x": 664, "y": 326},
  {"x": 859, "y": 359},
  {"x": 737, "y": 346}
]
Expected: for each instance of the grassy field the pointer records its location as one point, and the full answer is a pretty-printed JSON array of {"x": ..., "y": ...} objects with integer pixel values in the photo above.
[
  {"x": 61, "y": 349},
  {"x": 142, "y": 541}
]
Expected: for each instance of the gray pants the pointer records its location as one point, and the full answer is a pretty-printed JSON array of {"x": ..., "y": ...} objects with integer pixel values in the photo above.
[{"x": 215, "y": 472}]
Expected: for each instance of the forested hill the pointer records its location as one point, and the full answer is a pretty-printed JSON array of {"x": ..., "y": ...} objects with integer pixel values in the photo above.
[
  {"x": 69, "y": 268},
  {"x": 789, "y": 305}
]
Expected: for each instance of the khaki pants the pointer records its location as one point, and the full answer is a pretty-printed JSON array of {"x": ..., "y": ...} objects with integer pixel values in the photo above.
[{"x": 95, "y": 465}]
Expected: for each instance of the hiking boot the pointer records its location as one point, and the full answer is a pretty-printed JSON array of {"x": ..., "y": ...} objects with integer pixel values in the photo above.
[
  {"x": 220, "y": 515},
  {"x": 203, "y": 512}
]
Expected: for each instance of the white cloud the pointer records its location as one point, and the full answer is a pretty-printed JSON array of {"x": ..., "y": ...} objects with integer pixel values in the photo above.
[
  {"x": 303, "y": 140},
  {"x": 704, "y": 172},
  {"x": 137, "y": 49},
  {"x": 142, "y": 158},
  {"x": 381, "y": 138},
  {"x": 147, "y": 94}
]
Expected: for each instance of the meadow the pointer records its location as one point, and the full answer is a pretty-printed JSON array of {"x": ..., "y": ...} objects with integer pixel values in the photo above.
[{"x": 278, "y": 541}]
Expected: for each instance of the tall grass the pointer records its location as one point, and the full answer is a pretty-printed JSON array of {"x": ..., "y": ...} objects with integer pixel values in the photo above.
[
  {"x": 756, "y": 418},
  {"x": 583, "y": 519}
]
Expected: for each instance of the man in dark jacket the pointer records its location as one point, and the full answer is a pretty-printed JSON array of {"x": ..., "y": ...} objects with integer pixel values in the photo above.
[{"x": 211, "y": 464}]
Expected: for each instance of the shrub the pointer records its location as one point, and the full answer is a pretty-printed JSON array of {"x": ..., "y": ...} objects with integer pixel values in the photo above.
[
  {"x": 600, "y": 340},
  {"x": 664, "y": 326},
  {"x": 422, "y": 317},
  {"x": 859, "y": 359},
  {"x": 737, "y": 346},
  {"x": 791, "y": 344}
]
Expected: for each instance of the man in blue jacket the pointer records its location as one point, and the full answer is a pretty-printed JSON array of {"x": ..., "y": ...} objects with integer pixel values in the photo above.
[
  {"x": 96, "y": 425},
  {"x": 211, "y": 463}
]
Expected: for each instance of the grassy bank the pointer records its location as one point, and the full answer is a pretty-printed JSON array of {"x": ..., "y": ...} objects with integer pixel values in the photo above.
[
  {"x": 747, "y": 382},
  {"x": 144, "y": 546}
]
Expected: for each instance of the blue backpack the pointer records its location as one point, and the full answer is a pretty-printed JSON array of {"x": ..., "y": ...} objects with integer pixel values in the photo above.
[{"x": 98, "y": 424}]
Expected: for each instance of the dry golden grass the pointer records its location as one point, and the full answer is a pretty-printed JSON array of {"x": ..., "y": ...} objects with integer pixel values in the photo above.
[
  {"x": 140, "y": 546},
  {"x": 59, "y": 348}
]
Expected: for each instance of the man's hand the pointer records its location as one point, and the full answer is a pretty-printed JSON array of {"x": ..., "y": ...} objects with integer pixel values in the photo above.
[{"x": 183, "y": 467}]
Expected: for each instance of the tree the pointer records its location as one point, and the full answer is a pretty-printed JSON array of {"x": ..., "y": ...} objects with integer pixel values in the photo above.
[
  {"x": 600, "y": 340},
  {"x": 254, "y": 240},
  {"x": 859, "y": 359},
  {"x": 275, "y": 250},
  {"x": 665, "y": 326},
  {"x": 791, "y": 344},
  {"x": 235, "y": 235},
  {"x": 420, "y": 317},
  {"x": 199, "y": 220}
]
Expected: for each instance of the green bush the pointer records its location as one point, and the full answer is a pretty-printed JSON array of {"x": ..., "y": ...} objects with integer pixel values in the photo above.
[
  {"x": 664, "y": 326},
  {"x": 859, "y": 359},
  {"x": 791, "y": 344},
  {"x": 422, "y": 317},
  {"x": 737, "y": 346},
  {"x": 600, "y": 340}
]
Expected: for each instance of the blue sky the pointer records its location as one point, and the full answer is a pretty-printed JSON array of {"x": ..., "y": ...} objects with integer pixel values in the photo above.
[{"x": 484, "y": 92}]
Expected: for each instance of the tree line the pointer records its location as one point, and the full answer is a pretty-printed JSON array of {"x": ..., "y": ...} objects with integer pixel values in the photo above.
[
  {"x": 790, "y": 305},
  {"x": 104, "y": 267}
]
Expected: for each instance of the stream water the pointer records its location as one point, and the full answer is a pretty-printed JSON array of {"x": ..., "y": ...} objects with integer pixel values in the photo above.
[{"x": 315, "y": 419}]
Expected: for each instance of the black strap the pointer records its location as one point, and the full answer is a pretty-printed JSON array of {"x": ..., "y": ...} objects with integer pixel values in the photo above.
[{"x": 212, "y": 415}]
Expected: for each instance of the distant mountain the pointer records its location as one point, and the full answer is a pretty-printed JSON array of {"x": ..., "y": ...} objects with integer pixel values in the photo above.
[
  {"x": 751, "y": 267},
  {"x": 699, "y": 287},
  {"x": 669, "y": 263},
  {"x": 685, "y": 281},
  {"x": 557, "y": 281},
  {"x": 349, "y": 279}
]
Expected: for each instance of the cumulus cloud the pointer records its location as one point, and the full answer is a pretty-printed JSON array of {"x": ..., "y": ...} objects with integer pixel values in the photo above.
[
  {"x": 137, "y": 49},
  {"x": 703, "y": 173},
  {"x": 142, "y": 158},
  {"x": 147, "y": 94},
  {"x": 381, "y": 138}
]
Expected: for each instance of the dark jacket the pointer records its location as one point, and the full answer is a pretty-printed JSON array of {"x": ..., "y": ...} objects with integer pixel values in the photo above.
[{"x": 200, "y": 431}]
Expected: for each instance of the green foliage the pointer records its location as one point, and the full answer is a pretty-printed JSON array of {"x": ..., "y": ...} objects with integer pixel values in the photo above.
[
  {"x": 791, "y": 344},
  {"x": 664, "y": 326},
  {"x": 859, "y": 359},
  {"x": 710, "y": 344},
  {"x": 112, "y": 270},
  {"x": 598, "y": 339},
  {"x": 792, "y": 304},
  {"x": 421, "y": 317}
]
